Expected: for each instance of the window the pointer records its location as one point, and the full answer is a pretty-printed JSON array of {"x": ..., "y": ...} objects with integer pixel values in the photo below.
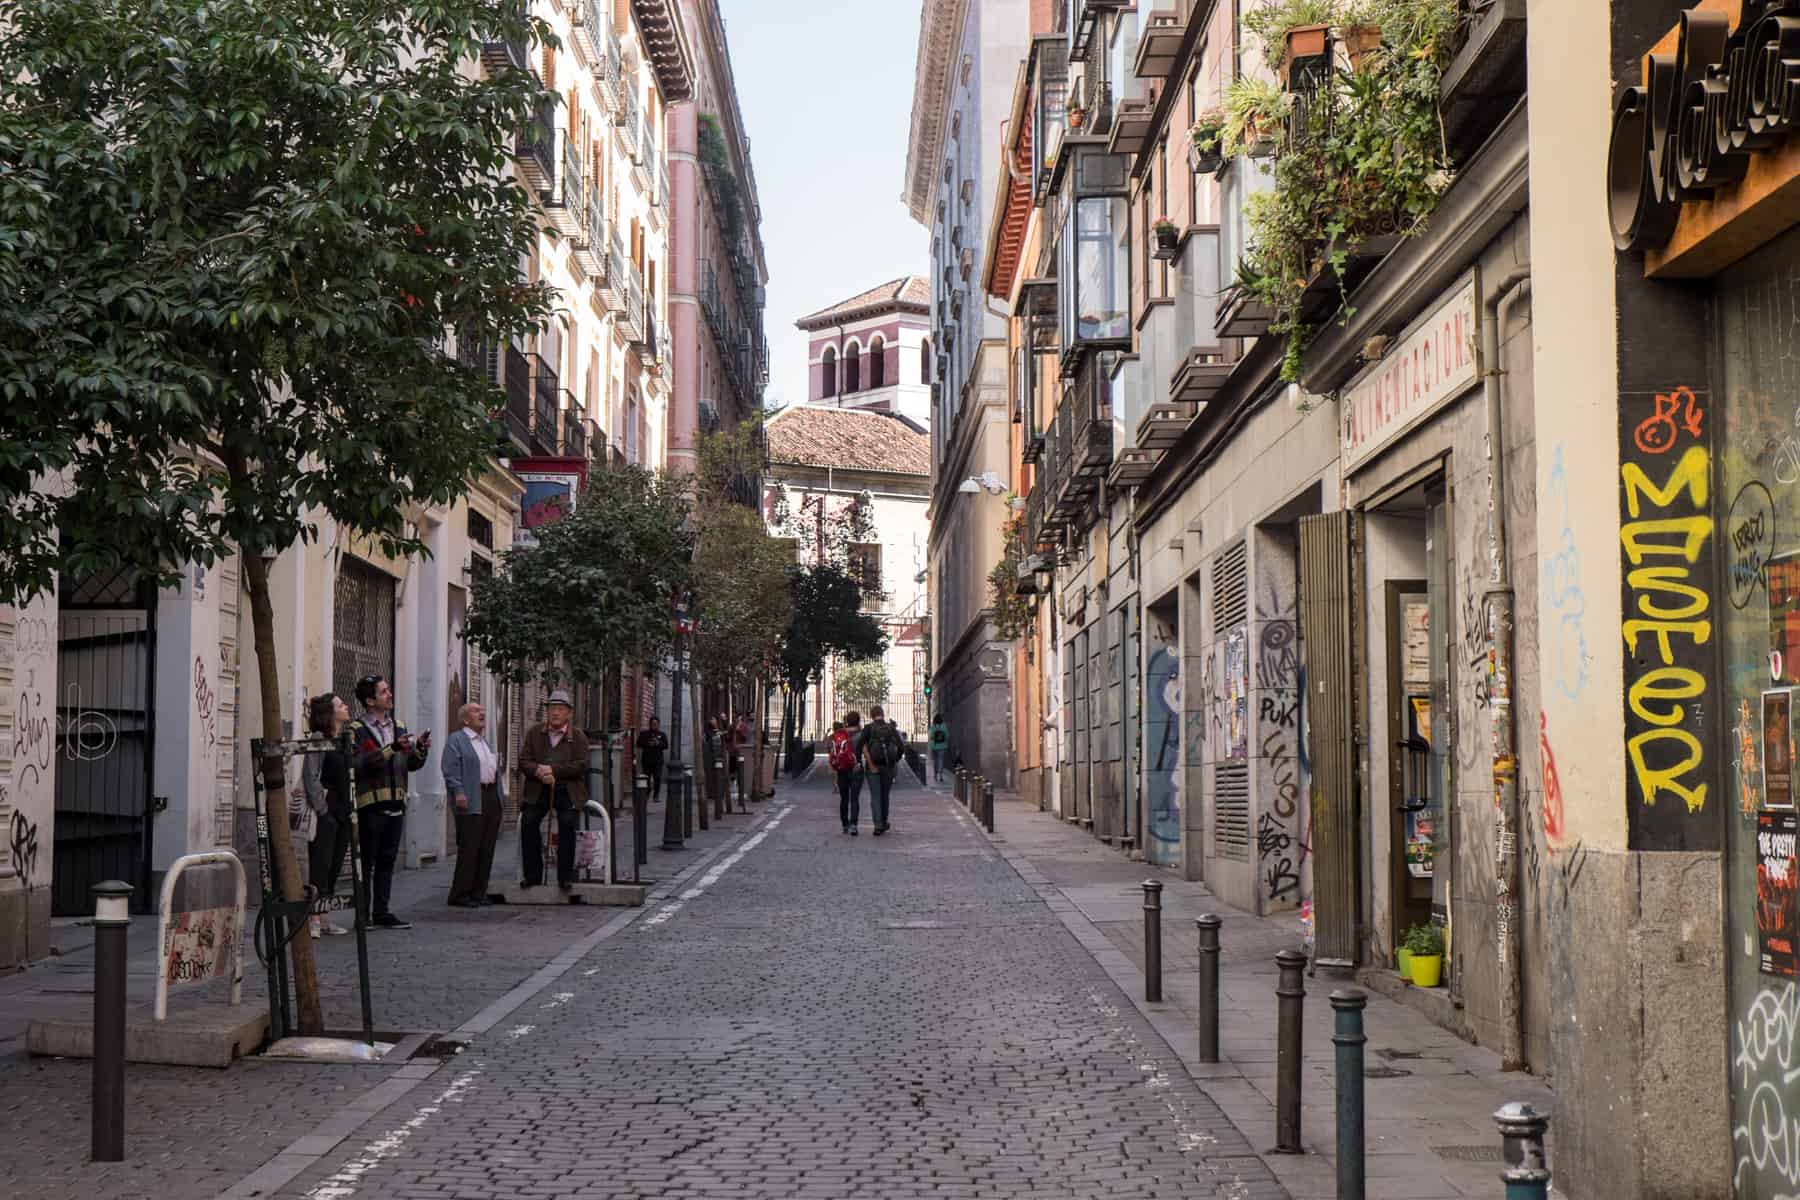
[
  {"x": 877, "y": 363},
  {"x": 852, "y": 369},
  {"x": 1094, "y": 276},
  {"x": 865, "y": 568},
  {"x": 925, "y": 361},
  {"x": 828, "y": 374}
]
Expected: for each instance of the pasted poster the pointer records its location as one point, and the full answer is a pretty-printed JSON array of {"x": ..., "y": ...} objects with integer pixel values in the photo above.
[
  {"x": 1778, "y": 749},
  {"x": 1783, "y": 576},
  {"x": 1162, "y": 755},
  {"x": 1237, "y": 693},
  {"x": 1416, "y": 645},
  {"x": 200, "y": 945},
  {"x": 1421, "y": 813},
  {"x": 1775, "y": 879}
]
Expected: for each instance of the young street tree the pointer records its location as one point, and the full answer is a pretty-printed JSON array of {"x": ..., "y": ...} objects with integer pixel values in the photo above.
[{"x": 232, "y": 238}]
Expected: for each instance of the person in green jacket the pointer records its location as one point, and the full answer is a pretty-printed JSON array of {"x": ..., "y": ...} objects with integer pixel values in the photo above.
[{"x": 940, "y": 745}]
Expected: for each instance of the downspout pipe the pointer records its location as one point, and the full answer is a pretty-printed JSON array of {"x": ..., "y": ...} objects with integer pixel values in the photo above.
[{"x": 1515, "y": 287}]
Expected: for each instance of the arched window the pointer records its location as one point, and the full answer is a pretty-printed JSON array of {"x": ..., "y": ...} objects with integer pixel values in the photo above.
[
  {"x": 852, "y": 369},
  {"x": 925, "y": 361},
  {"x": 828, "y": 374},
  {"x": 877, "y": 363}
]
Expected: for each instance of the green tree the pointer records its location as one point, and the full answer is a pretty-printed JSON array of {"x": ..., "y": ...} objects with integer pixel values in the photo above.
[
  {"x": 595, "y": 591},
  {"x": 828, "y": 623},
  {"x": 863, "y": 683},
  {"x": 233, "y": 236}
]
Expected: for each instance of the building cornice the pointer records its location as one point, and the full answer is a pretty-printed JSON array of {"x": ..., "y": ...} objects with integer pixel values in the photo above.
[
  {"x": 666, "y": 46},
  {"x": 934, "y": 75}
]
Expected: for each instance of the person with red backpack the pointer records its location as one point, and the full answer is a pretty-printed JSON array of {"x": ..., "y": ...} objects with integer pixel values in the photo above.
[{"x": 845, "y": 761}]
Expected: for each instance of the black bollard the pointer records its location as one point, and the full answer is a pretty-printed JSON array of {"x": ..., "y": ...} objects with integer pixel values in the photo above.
[
  {"x": 1153, "y": 941},
  {"x": 1208, "y": 929},
  {"x": 112, "y": 921},
  {"x": 1527, "y": 1173},
  {"x": 721, "y": 799},
  {"x": 1290, "y": 992},
  {"x": 684, "y": 789},
  {"x": 1347, "y": 1005},
  {"x": 640, "y": 824},
  {"x": 987, "y": 807},
  {"x": 672, "y": 818},
  {"x": 961, "y": 787},
  {"x": 687, "y": 798}
]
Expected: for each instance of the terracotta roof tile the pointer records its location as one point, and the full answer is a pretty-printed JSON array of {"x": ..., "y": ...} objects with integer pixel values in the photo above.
[
  {"x": 909, "y": 291},
  {"x": 811, "y": 435}
]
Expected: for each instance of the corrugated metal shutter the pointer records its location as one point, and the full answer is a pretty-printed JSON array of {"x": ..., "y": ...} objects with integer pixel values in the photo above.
[
  {"x": 1231, "y": 810},
  {"x": 1328, "y": 643},
  {"x": 1231, "y": 588}
]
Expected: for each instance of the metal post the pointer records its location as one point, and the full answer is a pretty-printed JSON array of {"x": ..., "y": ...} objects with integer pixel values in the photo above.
[
  {"x": 1290, "y": 992},
  {"x": 112, "y": 920},
  {"x": 687, "y": 802},
  {"x": 987, "y": 806},
  {"x": 1347, "y": 1005},
  {"x": 743, "y": 783},
  {"x": 1153, "y": 941},
  {"x": 640, "y": 824},
  {"x": 721, "y": 790},
  {"x": 598, "y": 753},
  {"x": 1208, "y": 929},
  {"x": 1522, "y": 1130},
  {"x": 672, "y": 818}
]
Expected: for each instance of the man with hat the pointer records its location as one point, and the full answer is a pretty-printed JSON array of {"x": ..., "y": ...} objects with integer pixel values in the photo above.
[{"x": 554, "y": 762}]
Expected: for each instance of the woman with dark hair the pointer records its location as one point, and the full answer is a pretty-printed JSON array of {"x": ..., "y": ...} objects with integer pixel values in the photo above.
[{"x": 326, "y": 778}]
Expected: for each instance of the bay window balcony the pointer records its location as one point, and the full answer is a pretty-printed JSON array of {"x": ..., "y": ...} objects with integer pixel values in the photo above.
[
  {"x": 1049, "y": 72},
  {"x": 1094, "y": 256}
]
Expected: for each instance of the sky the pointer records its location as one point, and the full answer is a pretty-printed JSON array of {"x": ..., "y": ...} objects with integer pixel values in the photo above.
[{"x": 826, "y": 91}]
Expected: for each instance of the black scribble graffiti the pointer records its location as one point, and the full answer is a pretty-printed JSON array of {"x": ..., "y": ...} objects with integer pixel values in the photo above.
[
  {"x": 1751, "y": 527},
  {"x": 34, "y": 745},
  {"x": 1271, "y": 838},
  {"x": 1278, "y": 657},
  {"x": 1281, "y": 709},
  {"x": 24, "y": 845}
]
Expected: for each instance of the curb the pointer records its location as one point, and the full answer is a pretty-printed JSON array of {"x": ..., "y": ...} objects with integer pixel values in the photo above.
[{"x": 308, "y": 1149}]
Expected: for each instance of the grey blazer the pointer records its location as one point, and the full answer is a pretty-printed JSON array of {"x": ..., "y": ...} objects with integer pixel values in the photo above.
[{"x": 462, "y": 772}]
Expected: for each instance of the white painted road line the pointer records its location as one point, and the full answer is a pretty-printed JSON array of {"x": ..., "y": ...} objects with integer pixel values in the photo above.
[
  {"x": 343, "y": 1184},
  {"x": 718, "y": 872}
]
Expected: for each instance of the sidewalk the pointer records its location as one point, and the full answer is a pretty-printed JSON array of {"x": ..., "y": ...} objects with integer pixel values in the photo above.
[
  {"x": 192, "y": 1132},
  {"x": 1429, "y": 1096}
]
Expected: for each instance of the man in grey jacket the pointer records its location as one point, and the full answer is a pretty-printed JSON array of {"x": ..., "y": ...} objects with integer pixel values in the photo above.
[{"x": 477, "y": 790}]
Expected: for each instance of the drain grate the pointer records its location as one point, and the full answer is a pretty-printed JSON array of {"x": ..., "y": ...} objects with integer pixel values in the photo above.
[
  {"x": 1473, "y": 1154},
  {"x": 438, "y": 1048},
  {"x": 1385, "y": 1072}
]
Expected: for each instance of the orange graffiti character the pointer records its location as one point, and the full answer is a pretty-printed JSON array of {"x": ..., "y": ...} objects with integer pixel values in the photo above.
[
  {"x": 1674, "y": 412},
  {"x": 1553, "y": 795}
]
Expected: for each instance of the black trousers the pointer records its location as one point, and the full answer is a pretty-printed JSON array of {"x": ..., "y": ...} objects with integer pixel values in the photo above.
[
  {"x": 653, "y": 772},
  {"x": 325, "y": 857},
  {"x": 881, "y": 787},
  {"x": 381, "y": 836},
  {"x": 476, "y": 836},
  {"x": 850, "y": 785},
  {"x": 531, "y": 843}
]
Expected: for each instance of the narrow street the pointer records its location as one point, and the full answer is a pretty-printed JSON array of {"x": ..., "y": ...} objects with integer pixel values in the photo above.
[{"x": 816, "y": 1015}]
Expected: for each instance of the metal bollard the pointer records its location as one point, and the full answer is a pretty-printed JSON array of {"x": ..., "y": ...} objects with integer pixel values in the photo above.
[
  {"x": 743, "y": 783},
  {"x": 112, "y": 920},
  {"x": 1208, "y": 929},
  {"x": 640, "y": 824},
  {"x": 962, "y": 786},
  {"x": 1347, "y": 1006},
  {"x": 672, "y": 821},
  {"x": 1290, "y": 992},
  {"x": 987, "y": 807},
  {"x": 687, "y": 800},
  {"x": 720, "y": 797},
  {"x": 682, "y": 794},
  {"x": 1152, "y": 941},
  {"x": 1522, "y": 1130}
]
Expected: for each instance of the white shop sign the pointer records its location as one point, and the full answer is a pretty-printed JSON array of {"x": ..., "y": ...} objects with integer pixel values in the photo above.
[{"x": 1437, "y": 360}]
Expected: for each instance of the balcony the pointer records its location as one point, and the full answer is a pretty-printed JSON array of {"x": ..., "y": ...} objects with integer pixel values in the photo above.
[
  {"x": 608, "y": 74},
  {"x": 590, "y": 247},
  {"x": 1159, "y": 44},
  {"x": 574, "y": 428},
  {"x": 591, "y": 26},
  {"x": 516, "y": 416},
  {"x": 1200, "y": 376},
  {"x": 498, "y": 56},
  {"x": 631, "y": 127},
  {"x": 1486, "y": 76},
  {"x": 535, "y": 151},
  {"x": 1086, "y": 428},
  {"x": 568, "y": 210},
  {"x": 1083, "y": 16},
  {"x": 643, "y": 163},
  {"x": 544, "y": 403},
  {"x": 1131, "y": 128},
  {"x": 1133, "y": 468},
  {"x": 1242, "y": 315},
  {"x": 1163, "y": 423},
  {"x": 616, "y": 290},
  {"x": 636, "y": 315},
  {"x": 642, "y": 336}
]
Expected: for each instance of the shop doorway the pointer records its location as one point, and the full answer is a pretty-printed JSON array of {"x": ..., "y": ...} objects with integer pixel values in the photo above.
[{"x": 1414, "y": 804}]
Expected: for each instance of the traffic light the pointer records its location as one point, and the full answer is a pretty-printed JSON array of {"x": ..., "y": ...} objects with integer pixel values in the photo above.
[{"x": 928, "y": 687}]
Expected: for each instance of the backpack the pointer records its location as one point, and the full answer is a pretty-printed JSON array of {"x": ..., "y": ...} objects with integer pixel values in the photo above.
[
  {"x": 884, "y": 744},
  {"x": 843, "y": 753}
]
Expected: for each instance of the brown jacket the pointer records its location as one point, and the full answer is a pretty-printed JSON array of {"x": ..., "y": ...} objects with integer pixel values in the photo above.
[{"x": 567, "y": 759}]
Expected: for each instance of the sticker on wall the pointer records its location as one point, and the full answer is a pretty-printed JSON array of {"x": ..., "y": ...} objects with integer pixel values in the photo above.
[
  {"x": 1778, "y": 749},
  {"x": 1775, "y": 880},
  {"x": 1782, "y": 576}
]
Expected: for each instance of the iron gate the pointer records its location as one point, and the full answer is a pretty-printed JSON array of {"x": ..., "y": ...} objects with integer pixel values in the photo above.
[
  {"x": 362, "y": 627},
  {"x": 105, "y": 738}
]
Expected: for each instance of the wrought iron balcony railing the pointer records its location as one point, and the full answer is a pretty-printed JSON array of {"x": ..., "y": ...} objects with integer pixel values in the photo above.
[{"x": 535, "y": 151}]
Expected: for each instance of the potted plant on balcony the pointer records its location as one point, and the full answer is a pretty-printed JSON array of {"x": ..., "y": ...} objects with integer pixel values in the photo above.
[
  {"x": 1254, "y": 112},
  {"x": 1206, "y": 135},
  {"x": 1077, "y": 117},
  {"x": 1292, "y": 30},
  {"x": 1359, "y": 32},
  {"x": 1167, "y": 238}
]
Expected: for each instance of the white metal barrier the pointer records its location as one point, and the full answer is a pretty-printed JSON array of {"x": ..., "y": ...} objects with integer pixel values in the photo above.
[{"x": 201, "y": 967}]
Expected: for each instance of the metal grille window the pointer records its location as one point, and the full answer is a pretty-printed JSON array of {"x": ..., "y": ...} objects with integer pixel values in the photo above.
[
  {"x": 1231, "y": 810},
  {"x": 1231, "y": 774},
  {"x": 1231, "y": 588},
  {"x": 362, "y": 626}
]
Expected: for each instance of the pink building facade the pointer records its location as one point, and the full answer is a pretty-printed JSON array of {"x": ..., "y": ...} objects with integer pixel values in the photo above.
[{"x": 873, "y": 351}]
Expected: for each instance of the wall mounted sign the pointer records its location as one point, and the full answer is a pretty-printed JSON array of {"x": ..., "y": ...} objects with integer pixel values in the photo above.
[
  {"x": 1437, "y": 360},
  {"x": 1699, "y": 116}
]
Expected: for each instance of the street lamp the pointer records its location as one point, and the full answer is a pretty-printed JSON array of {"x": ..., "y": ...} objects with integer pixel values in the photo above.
[
  {"x": 987, "y": 482},
  {"x": 674, "y": 804}
]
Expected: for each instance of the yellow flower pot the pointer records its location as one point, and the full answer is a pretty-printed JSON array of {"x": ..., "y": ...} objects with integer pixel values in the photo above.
[
  {"x": 1403, "y": 961},
  {"x": 1427, "y": 969}
]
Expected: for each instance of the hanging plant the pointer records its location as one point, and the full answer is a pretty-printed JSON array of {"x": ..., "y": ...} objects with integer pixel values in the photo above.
[{"x": 1013, "y": 613}]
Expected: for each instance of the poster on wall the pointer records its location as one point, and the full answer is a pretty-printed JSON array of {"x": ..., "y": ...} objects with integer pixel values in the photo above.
[
  {"x": 1778, "y": 749},
  {"x": 1775, "y": 879},
  {"x": 1783, "y": 576},
  {"x": 1237, "y": 693},
  {"x": 1416, "y": 650},
  {"x": 1421, "y": 814}
]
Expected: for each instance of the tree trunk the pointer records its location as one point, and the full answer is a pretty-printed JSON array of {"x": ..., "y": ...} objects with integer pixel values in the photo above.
[{"x": 286, "y": 867}]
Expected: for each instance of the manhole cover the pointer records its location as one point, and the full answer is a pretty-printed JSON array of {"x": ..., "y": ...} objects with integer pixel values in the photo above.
[
  {"x": 1384, "y": 1072},
  {"x": 1476, "y": 1154}
]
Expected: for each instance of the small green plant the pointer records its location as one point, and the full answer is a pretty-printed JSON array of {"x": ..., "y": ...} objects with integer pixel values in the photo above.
[
  {"x": 1207, "y": 130},
  {"x": 1425, "y": 941},
  {"x": 1014, "y": 616},
  {"x": 1255, "y": 109},
  {"x": 1163, "y": 227}
]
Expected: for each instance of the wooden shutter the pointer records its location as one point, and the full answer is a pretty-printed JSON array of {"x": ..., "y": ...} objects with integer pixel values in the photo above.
[{"x": 1328, "y": 602}]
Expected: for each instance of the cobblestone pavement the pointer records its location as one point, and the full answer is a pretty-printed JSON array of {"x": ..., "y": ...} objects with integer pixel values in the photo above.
[{"x": 815, "y": 1016}]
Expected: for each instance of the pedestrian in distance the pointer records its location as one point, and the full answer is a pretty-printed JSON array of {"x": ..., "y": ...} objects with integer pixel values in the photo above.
[
  {"x": 882, "y": 751},
  {"x": 326, "y": 781},
  {"x": 848, "y": 769},
  {"x": 554, "y": 761},
  {"x": 386, "y": 753},
  {"x": 477, "y": 791},
  {"x": 940, "y": 745},
  {"x": 652, "y": 745}
]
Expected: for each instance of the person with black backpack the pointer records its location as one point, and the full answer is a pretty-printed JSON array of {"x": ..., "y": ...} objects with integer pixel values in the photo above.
[{"x": 881, "y": 750}]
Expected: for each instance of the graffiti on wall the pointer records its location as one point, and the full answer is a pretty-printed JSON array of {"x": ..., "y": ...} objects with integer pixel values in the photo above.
[
  {"x": 205, "y": 704},
  {"x": 1766, "y": 1141},
  {"x": 1666, "y": 535},
  {"x": 1235, "y": 694},
  {"x": 1162, "y": 755},
  {"x": 1565, "y": 605},
  {"x": 24, "y": 845}
]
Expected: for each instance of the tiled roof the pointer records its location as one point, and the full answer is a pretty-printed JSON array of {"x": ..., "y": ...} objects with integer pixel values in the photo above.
[
  {"x": 909, "y": 291},
  {"x": 812, "y": 435}
]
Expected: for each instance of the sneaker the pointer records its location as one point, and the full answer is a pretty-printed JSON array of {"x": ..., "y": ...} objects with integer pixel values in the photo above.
[
  {"x": 389, "y": 921},
  {"x": 880, "y": 829},
  {"x": 853, "y": 831},
  {"x": 332, "y": 929},
  {"x": 315, "y": 925}
]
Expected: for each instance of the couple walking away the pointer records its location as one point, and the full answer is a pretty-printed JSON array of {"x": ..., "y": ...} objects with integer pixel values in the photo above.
[{"x": 875, "y": 752}]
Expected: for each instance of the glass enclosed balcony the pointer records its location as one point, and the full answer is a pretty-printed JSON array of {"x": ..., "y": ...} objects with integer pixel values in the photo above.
[
  {"x": 1049, "y": 69},
  {"x": 1094, "y": 255}
]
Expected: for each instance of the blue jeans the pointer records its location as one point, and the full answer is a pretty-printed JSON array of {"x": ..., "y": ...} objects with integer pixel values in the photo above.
[
  {"x": 850, "y": 785},
  {"x": 881, "y": 785},
  {"x": 937, "y": 764}
]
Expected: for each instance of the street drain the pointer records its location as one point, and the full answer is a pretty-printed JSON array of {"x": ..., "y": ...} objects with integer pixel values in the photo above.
[
  {"x": 440, "y": 1048},
  {"x": 1474, "y": 1154}
]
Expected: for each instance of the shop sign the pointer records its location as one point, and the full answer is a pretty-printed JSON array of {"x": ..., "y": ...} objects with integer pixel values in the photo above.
[
  {"x": 1701, "y": 113},
  {"x": 1437, "y": 360}
]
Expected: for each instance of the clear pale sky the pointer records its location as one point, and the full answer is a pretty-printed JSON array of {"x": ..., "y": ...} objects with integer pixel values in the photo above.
[{"x": 826, "y": 90}]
